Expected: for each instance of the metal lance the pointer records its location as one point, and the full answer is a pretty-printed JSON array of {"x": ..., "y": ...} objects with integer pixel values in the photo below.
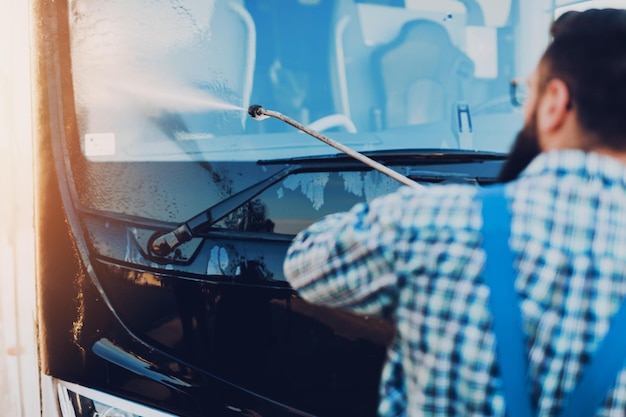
[{"x": 257, "y": 112}]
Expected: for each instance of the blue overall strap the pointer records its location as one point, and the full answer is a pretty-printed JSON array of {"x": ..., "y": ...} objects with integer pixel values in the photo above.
[
  {"x": 499, "y": 275},
  {"x": 600, "y": 375}
]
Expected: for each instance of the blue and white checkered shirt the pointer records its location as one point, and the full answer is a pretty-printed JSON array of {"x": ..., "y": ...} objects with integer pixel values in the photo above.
[{"x": 414, "y": 256}]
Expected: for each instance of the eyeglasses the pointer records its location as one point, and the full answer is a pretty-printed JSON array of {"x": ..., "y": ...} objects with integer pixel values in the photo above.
[{"x": 518, "y": 92}]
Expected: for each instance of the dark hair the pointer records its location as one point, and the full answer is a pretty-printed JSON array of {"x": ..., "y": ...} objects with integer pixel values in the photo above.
[{"x": 588, "y": 53}]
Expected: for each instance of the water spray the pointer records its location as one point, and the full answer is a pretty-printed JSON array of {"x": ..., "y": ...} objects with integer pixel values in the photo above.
[{"x": 257, "y": 112}]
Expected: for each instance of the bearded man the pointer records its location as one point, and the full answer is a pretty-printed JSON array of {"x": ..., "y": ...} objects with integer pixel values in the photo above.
[{"x": 424, "y": 258}]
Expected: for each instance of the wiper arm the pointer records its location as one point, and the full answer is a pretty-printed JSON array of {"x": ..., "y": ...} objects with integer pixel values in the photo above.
[{"x": 163, "y": 243}]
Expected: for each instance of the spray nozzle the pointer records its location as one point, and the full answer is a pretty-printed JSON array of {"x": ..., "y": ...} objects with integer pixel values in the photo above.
[{"x": 257, "y": 112}]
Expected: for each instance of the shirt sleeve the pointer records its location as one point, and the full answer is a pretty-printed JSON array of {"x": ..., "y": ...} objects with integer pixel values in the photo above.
[{"x": 346, "y": 260}]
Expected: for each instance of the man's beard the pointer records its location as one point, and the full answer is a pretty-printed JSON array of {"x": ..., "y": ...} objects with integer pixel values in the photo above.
[{"x": 524, "y": 150}]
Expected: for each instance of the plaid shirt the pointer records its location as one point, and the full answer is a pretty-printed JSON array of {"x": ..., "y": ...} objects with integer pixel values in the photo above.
[{"x": 414, "y": 256}]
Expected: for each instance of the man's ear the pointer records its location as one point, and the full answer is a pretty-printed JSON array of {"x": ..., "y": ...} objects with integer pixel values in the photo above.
[{"x": 553, "y": 106}]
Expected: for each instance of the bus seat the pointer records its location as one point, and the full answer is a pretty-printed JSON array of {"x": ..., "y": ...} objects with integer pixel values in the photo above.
[
  {"x": 365, "y": 32},
  {"x": 439, "y": 72}
]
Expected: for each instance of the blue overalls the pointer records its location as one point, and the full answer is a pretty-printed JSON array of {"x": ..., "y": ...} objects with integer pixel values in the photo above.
[{"x": 600, "y": 374}]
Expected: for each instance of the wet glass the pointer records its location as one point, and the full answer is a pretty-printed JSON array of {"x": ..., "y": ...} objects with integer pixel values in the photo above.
[{"x": 171, "y": 81}]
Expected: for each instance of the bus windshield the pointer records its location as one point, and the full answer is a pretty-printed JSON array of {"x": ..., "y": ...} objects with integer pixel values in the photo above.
[{"x": 172, "y": 81}]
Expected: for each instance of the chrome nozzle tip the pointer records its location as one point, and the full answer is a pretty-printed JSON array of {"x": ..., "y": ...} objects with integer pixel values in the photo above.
[{"x": 256, "y": 112}]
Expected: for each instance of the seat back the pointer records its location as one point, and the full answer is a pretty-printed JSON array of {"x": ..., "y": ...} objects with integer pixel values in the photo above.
[
  {"x": 368, "y": 38},
  {"x": 420, "y": 74}
]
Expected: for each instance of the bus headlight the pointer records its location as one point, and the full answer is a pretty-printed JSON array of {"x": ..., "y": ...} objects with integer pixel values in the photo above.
[{"x": 78, "y": 401}]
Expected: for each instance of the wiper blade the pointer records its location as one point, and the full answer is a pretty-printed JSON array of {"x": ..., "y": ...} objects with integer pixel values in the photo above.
[{"x": 408, "y": 155}]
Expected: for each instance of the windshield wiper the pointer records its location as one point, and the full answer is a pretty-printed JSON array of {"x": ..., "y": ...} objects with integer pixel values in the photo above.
[{"x": 163, "y": 243}]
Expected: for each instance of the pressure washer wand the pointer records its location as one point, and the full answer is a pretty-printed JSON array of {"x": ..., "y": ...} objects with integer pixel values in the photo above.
[{"x": 257, "y": 112}]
